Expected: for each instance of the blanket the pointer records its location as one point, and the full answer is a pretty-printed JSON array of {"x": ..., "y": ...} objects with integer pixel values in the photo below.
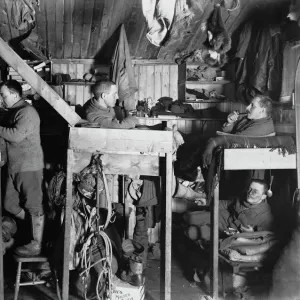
[{"x": 285, "y": 143}]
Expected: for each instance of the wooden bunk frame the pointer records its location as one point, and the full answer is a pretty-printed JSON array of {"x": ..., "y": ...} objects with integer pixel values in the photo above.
[
  {"x": 243, "y": 159},
  {"x": 135, "y": 152}
]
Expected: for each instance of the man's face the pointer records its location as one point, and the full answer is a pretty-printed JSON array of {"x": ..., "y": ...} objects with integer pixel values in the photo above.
[
  {"x": 9, "y": 97},
  {"x": 112, "y": 96},
  {"x": 255, "y": 111},
  {"x": 255, "y": 194}
]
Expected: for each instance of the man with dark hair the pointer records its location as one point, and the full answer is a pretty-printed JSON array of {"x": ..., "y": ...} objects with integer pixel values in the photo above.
[
  {"x": 252, "y": 214},
  {"x": 257, "y": 122},
  {"x": 21, "y": 131},
  {"x": 100, "y": 108}
]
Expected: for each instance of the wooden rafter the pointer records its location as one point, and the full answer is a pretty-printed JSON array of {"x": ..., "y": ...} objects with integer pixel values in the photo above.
[{"x": 37, "y": 83}]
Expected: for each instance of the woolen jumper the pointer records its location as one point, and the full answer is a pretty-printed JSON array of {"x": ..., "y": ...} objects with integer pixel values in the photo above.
[
  {"x": 106, "y": 117},
  {"x": 244, "y": 126},
  {"x": 21, "y": 131},
  {"x": 234, "y": 214}
]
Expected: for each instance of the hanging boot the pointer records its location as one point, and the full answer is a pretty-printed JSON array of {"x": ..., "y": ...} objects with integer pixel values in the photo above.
[{"x": 35, "y": 246}]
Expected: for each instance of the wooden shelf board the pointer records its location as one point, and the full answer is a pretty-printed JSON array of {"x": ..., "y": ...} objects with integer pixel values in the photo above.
[
  {"x": 203, "y": 101},
  {"x": 78, "y": 83},
  {"x": 220, "y": 82}
]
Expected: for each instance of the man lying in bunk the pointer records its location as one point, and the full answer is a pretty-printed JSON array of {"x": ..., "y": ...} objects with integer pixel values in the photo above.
[
  {"x": 100, "y": 108},
  {"x": 247, "y": 215},
  {"x": 256, "y": 121}
]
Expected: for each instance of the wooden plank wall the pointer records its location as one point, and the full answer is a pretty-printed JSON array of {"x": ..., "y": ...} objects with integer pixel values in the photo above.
[{"x": 73, "y": 94}]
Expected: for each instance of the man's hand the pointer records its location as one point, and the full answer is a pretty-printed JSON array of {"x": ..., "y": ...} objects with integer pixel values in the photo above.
[
  {"x": 232, "y": 117},
  {"x": 200, "y": 201},
  {"x": 247, "y": 228}
]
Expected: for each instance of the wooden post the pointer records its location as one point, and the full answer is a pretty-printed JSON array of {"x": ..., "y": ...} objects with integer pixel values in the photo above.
[
  {"x": 215, "y": 241},
  {"x": 1, "y": 244},
  {"x": 168, "y": 229},
  {"x": 67, "y": 237},
  {"x": 42, "y": 88},
  {"x": 297, "y": 117}
]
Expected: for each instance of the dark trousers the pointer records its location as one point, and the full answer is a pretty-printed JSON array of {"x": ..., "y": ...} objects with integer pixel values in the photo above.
[{"x": 24, "y": 190}]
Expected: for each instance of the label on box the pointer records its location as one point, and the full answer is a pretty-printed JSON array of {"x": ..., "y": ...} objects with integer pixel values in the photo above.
[{"x": 124, "y": 291}]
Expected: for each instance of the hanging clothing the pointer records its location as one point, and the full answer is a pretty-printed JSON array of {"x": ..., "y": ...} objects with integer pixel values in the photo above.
[
  {"x": 261, "y": 69},
  {"x": 291, "y": 55},
  {"x": 23, "y": 14},
  {"x": 159, "y": 16},
  {"x": 122, "y": 71}
]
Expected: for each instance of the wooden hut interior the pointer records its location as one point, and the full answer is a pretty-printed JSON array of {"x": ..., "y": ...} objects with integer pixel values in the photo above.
[{"x": 149, "y": 149}]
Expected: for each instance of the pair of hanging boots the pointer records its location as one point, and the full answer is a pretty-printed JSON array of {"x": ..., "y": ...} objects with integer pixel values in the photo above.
[{"x": 34, "y": 248}]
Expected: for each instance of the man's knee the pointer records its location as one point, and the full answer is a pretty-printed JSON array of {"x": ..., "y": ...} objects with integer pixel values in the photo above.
[{"x": 12, "y": 208}]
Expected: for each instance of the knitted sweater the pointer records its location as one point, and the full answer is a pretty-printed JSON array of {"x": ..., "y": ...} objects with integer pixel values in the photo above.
[
  {"x": 21, "y": 131},
  {"x": 244, "y": 126},
  {"x": 106, "y": 117}
]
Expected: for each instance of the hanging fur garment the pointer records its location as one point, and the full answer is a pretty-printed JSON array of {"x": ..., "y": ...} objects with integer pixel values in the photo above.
[{"x": 218, "y": 38}]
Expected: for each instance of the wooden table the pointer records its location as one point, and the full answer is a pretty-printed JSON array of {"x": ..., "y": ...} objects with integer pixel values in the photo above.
[{"x": 134, "y": 152}]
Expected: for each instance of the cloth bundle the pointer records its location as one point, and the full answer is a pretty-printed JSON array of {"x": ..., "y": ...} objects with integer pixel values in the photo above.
[{"x": 249, "y": 246}]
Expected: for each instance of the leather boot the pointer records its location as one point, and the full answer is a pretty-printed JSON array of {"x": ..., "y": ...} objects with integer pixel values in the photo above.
[{"x": 35, "y": 246}]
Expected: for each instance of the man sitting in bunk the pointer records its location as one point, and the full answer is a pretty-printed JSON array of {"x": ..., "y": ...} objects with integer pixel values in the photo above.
[
  {"x": 100, "y": 108},
  {"x": 251, "y": 214},
  {"x": 256, "y": 122}
]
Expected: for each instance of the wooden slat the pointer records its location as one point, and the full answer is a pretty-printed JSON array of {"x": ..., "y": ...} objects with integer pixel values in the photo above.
[
  {"x": 214, "y": 219},
  {"x": 98, "y": 139},
  {"x": 158, "y": 82},
  {"x": 297, "y": 117},
  {"x": 165, "y": 81},
  {"x": 150, "y": 81},
  {"x": 77, "y": 27},
  {"x": 67, "y": 225},
  {"x": 38, "y": 84},
  {"x": 50, "y": 10},
  {"x": 257, "y": 159},
  {"x": 41, "y": 24},
  {"x": 130, "y": 24},
  {"x": 96, "y": 27},
  {"x": 59, "y": 29},
  {"x": 142, "y": 83},
  {"x": 168, "y": 228},
  {"x": 173, "y": 69},
  {"x": 128, "y": 164},
  {"x": 79, "y": 89},
  {"x": 68, "y": 28},
  {"x": 136, "y": 70},
  {"x": 105, "y": 22},
  {"x": 87, "y": 26}
]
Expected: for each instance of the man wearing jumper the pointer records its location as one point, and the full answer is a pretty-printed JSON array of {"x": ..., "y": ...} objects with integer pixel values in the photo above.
[
  {"x": 257, "y": 122},
  {"x": 100, "y": 109},
  {"x": 25, "y": 160}
]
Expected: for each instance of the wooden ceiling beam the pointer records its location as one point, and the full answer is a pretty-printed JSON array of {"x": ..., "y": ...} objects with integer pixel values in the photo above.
[
  {"x": 96, "y": 27},
  {"x": 37, "y": 83},
  {"x": 59, "y": 28},
  {"x": 50, "y": 11},
  {"x": 108, "y": 12},
  {"x": 87, "y": 26},
  {"x": 77, "y": 27},
  {"x": 68, "y": 28}
]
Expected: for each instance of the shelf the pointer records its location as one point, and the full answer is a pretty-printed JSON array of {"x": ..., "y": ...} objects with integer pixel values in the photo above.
[
  {"x": 204, "y": 101},
  {"x": 78, "y": 83},
  {"x": 220, "y": 82}
]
